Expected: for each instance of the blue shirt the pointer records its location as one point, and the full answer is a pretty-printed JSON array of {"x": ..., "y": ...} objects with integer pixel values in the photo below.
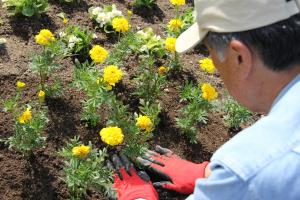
[{"x": 262, "y": 161}]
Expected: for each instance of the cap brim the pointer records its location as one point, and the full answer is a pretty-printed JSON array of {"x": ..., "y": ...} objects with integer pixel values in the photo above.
[{"x": 190, "y": 38}]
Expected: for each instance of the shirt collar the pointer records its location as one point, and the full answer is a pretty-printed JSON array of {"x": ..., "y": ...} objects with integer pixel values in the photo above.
[{"x": 284, "y": 91}]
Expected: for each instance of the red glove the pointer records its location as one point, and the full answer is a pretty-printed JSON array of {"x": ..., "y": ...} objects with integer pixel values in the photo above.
[
  {"x": 181, "y": 174},
  {"x": 129, "y": 184}
]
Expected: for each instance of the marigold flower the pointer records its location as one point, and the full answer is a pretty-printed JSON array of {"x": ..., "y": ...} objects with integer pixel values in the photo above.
[
  {"x": 120, "y": 24},
  {"x": 44, "y": 37},
  {"x": 207, "y": 65},
  {"x": 144, "y": 123},
  {"x": 112, "y": 135},
  {"x": 162, "y": 70},
  {"x": 178, "y": 2},
  {"x": 20, "y": 84},
  {"x": 170, "y": 44},
  {"x": 81, "y": 151},
  {"x": 98, "y": 54},
  {"x": 175, "y": 25},
  {"x": 25, "y": 117},
  {"x": 209, "y": 93},
  {"x": 112, "y": 75}
]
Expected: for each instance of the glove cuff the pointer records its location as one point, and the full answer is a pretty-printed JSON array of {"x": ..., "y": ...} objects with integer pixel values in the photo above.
[{"x": 202, "y": 166}]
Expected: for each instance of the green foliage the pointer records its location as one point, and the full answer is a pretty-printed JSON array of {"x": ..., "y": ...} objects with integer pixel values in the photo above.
[
  {"x": 86, "y": 173},
  {"x": 149, "y": 82},
  {"x": 27, "y": 135},
  {"x": 134, "y": 140},
  {"x": 235, "y": 113},
  {"x": 27, "y": 8},
  {"x": 194, "y": 112},
  {"x": 77, "y": 40},
  {"x": 44, "y": 65},
  {"x": 121, "y": 50},
  {"x": 144, "y": 3},
  {"x": 148, "y": 43},
  {"x": 150, "y": 110},
  {"x": 86, "y": 77},
  {"x": 188, "y": 19}
]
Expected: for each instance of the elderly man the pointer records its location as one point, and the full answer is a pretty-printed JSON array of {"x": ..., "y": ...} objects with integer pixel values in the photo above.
[{"x": 255, "y": 45}]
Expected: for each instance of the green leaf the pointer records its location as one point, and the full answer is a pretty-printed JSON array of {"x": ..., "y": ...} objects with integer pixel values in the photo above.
[{"x": 28, "y": 11}]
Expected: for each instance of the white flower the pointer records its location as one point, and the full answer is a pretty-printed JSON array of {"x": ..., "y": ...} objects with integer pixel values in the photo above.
[
  {"x": 2, "y": 41},
  {"x": 116, "y": 13},
  {"x": 96, "y": 11},
  {"x": 95, "y": 36},
  {"x": 73, "y": 40},
  {"x": 102, "y": 19},
  {"x": 62, "y": 34}
]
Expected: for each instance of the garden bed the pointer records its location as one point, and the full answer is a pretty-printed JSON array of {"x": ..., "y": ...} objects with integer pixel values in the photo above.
[{"x": 39, "y": 177}]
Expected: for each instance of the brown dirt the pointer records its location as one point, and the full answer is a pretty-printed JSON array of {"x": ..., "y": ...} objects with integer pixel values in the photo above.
[{"x": 39, "y": 178}]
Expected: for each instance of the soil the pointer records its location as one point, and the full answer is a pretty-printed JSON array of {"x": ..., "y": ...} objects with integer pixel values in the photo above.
[{"x": 39, "y": 177}]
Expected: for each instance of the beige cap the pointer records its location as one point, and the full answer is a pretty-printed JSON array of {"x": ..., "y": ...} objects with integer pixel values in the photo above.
[{"x": 234, "y": 16}]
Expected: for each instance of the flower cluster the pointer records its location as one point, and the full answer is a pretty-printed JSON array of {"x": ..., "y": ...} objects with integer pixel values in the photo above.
[
  {"x": 178, "y": 2},
  {"x": 120, "y": 24},
  {"x": 98, "y": 54},
  {"x": 25, "y": 117},
  {"x": 207, "y": 65},
  {"x": 44, "y": 37},
  {"x": 144, "y": 123},
  {"x": 81, "y": 151},
  {"x": 175, "y": 25},
  {"x": 105, "y": 15},
  {"x": 112, "y": 135},
  {"x": 170, "y": 44},
  {"x": 209, "y": 93},
  {"x": 112, "y": 74}
]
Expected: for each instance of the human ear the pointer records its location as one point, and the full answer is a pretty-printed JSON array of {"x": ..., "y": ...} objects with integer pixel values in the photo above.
[{"x": 242, "y": 58}]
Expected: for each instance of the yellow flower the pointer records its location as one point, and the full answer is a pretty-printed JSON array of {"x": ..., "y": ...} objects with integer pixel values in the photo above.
[
  {"x": 41, "y": 96},
  {"x": 144, "y": 123},
  {"x": 170, "y": 44},
  {"x": 178, "y": 2},
  {"x": 44, "y": 37},
  {"x": 120, "y": 24},
  {"x": 208, "y": 92},
  {"x": 65, "y": 20},
  {"x": 98, "y": 54},
  {"x": 81, "y": 151},
  {"x": 207, "y": 65},
  {"x": 162, "y": 70},
  {"x": 129, "y": 13},
  {"x": 175, "y": 25},
  {"x": 112, "y": 135},
  {"x": 20, "y": 84},
  {"x": 25, "y": 117},
  {"x": 112, "y": 75}
]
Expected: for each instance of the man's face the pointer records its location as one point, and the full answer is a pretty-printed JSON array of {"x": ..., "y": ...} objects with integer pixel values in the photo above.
[{"x": 233, "y": 76}]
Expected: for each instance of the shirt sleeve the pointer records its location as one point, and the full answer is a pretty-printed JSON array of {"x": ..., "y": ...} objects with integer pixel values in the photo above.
[{"x": 221, "y": 184}]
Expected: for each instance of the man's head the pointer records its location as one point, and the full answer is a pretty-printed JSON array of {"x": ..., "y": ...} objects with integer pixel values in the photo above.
[{"x": 257, "y": 59}]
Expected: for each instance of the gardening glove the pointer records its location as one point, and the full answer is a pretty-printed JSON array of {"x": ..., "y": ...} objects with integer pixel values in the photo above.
[
  {"x": 180, "y": 175},
  {"x": 129, "y": 183}
]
